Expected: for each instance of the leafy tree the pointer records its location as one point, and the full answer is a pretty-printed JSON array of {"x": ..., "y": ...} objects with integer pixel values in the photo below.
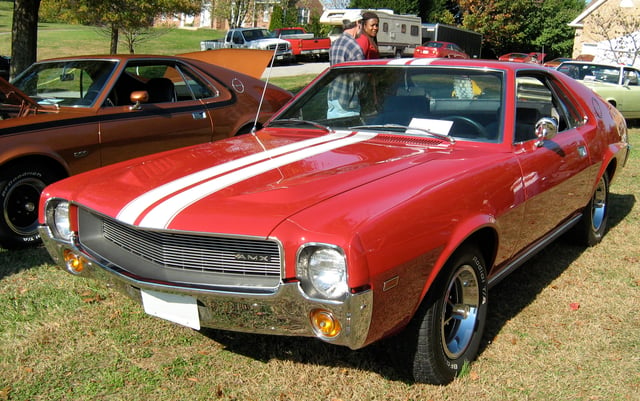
[
  {"x": 548, "y": 30},
  {"x": 234, "y": 11},
  {"x": 277, "y": 18},
  {"x": 24, "y": 31},
  {"x": 620, "y": 34},
  {"x": 521, "y": 25}
]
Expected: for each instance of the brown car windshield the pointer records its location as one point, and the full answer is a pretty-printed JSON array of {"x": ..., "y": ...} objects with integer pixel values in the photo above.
[{"x": 65, "y": 83}]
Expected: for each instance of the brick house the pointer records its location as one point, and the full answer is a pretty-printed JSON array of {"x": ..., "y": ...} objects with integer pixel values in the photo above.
[
  {"x": 608, "y": 31},
  {"x": 258, "y": 15}
]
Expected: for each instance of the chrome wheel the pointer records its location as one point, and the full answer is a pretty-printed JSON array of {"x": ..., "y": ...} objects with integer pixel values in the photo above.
[
  {"x": 460, "y": 312},
  {"x": 446, "y": 331},
  {"x": 599, "y": 205}
]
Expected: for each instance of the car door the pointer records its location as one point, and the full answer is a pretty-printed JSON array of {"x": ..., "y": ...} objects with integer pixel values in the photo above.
[
  {"x": 557, "y": 173},
  {"x": 629, "y": 101},
  {"x": 174, "y": 115}
]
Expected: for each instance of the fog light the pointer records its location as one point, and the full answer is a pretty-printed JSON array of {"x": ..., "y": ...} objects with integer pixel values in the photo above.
[
  {"x": 324, "y": 323},
  {"x": 75, "y": 263}
]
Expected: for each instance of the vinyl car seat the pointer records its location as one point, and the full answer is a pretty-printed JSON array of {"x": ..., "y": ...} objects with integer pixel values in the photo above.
[{"x": 161, "y": 90}]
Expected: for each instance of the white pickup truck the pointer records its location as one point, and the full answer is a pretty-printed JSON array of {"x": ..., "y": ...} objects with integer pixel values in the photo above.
[{"x": 251, "y": 38}]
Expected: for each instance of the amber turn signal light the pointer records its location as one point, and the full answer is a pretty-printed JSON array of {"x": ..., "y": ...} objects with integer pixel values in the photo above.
[
  {"x": 74, "y": 263},
  {"x": 324, "y": 323}
]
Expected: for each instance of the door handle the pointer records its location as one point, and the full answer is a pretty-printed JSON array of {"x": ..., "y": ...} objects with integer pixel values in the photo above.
[
  {"x": 199, "y": 115},
  {"x": 582, "y": 151}
]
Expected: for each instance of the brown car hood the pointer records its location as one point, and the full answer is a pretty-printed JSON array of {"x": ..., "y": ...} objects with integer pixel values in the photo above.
[
  {"x": 251, "y": 62},
  {"x": 13, "y": 95}
]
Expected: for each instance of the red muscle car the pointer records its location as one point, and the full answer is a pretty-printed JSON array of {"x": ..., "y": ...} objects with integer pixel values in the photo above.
[
  {"x": 439, "y": 49},
  {"x": 387, "y": 198},
  {"x": 68, "y": 115}
]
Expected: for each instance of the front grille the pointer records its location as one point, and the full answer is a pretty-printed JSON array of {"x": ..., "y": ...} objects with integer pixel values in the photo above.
[
  {"x": 183, "y": 257},
  {"x": 281, "y": 47}
]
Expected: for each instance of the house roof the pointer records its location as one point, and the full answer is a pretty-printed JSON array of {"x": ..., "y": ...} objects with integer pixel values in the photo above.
[{"x": 593, "y": 6}]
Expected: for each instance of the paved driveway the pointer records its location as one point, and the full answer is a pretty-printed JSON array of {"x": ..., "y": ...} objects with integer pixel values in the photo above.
[{"x": 296, "y": 69}]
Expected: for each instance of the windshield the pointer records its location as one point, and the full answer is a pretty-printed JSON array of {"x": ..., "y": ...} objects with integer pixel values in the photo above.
[
  {"x": 591, "y": 72},
  {"x": 461, "y": 103},
  {"x": 65, "y": 83},
  {"x": 254, "y": 34}
]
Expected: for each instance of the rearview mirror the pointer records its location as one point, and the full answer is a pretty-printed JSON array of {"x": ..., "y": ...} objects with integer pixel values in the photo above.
[
  {"x": 137, "y": 98},
  {"x": 546, "y": 128}
]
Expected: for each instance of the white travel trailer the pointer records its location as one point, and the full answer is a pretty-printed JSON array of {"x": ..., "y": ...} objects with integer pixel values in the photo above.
[{"x": 398, "y": 35}]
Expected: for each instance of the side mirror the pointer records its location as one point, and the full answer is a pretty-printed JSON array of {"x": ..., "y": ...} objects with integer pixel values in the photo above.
[
  {"x": 546, "y": 128},
  {"x": 137, "y": 98}
]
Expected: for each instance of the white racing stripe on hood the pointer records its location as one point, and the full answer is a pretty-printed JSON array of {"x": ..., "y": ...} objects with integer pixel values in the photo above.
[
  {"x": 161, "y": 215},
  {"x": 132, "y": 211}
]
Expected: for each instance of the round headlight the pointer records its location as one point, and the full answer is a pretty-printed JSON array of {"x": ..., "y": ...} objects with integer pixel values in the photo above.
[
  {"x": 325, "y": 269},
  {"x": 58, "y": 220}
]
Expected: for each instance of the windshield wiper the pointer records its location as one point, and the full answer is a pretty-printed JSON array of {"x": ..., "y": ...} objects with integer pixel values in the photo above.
[
  {"x": 297, "y": 121},
  {"x": 404, "y": 128}
]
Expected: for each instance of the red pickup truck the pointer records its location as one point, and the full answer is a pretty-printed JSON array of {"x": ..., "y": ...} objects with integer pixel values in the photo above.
[{"x": 304, "y": 44}]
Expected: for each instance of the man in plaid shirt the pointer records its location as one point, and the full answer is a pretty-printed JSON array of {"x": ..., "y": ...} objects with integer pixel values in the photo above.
[{"x": 343, "y": 98}]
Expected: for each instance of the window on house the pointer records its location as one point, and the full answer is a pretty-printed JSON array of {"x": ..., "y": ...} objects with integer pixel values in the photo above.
[{"x": 303, "y": 16}]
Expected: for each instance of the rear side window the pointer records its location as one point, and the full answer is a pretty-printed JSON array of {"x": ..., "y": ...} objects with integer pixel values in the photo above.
[{"x": 539, "y": 96}]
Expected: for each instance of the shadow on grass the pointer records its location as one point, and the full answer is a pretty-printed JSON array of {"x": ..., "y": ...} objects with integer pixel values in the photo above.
[
  {"x": 12, "y": 262},
  {"x": 507, "y": 299}
]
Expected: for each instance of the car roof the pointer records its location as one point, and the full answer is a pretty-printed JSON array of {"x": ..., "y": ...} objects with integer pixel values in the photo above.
[
  {"x": 576, "y": 62},
  {"x": 117, "y": 57},
  {"x": 446, "y": 62}
]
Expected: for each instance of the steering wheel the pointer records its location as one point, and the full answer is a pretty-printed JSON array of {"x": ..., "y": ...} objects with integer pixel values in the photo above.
[{"x": 479, "y": 130}]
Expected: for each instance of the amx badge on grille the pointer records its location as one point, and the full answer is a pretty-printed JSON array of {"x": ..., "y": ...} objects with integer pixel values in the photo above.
[{"x": 250, "y": 257}]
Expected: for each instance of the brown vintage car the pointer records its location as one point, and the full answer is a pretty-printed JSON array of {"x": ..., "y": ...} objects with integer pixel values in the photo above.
[{"x": 64, "y": 116}]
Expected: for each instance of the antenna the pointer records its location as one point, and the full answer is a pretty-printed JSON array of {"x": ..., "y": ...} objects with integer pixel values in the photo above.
[{"x": 264, "y": 91}]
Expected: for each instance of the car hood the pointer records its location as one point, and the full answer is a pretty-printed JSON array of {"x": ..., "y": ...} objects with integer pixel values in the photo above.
[
  {"x": 247, "y": 184},
  {"x": 267, "y": 41},
  {"x": 13, "y": 95}
]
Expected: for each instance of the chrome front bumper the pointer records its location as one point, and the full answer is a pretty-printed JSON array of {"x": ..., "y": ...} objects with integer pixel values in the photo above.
[{"x": 284, "y": 311}]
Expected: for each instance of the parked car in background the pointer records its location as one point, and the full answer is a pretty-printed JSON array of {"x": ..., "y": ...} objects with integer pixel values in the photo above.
[
  {"x": 5, "y": 67},
  {"x": 68, "y": 115},
  {"x": 618, "y": 84},
  {"x": 556, "y": 62},
  {"x": 391, "y": 210},
  {"x": 304, "y": 45},
  {"x": 252, "y": 38},
  {"x": 439, "y": 49},
  {"x": 520, "y": 58}
]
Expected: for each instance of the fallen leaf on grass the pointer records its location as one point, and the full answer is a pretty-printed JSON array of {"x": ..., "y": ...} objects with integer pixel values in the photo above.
[
  {"x": 88, "y": 297},
  {"x": 574, "y": 305}
]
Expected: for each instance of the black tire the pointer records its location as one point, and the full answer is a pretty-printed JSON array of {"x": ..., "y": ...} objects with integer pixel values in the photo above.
[
  {"x": 20, "y": 188},
  {"x": 445, "y": 334},
  {"x": 594, "y": 223}
]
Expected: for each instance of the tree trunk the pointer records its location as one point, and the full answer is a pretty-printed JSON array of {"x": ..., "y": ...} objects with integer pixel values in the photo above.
[
  {"x": 114, "y": 40},
  {"x": 24, "y": 31}
]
